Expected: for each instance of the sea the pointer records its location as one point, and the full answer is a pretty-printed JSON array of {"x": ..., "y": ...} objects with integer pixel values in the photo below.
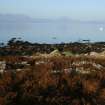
[{"x": 52, "y": 32}]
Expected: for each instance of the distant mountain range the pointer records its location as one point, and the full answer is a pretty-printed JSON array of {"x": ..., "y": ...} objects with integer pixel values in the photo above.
[{"x": 9, "y": 18}]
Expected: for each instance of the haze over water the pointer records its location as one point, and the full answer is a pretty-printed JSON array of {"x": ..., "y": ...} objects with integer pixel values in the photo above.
[{"x": 45, "y": 32}]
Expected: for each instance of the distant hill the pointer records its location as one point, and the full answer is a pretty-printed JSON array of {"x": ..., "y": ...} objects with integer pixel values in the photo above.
[
  {"x": 14, "y": 18},
  {"x": 17, "y": 18}
]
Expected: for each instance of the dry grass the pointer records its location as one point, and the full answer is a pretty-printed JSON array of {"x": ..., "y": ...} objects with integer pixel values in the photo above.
[{"x": 39, "y": 85}]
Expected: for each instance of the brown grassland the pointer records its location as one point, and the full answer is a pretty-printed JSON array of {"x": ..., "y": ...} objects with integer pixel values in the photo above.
[{"x": 55, "y": 81}]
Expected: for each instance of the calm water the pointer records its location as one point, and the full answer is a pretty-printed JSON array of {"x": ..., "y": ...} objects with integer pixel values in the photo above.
[{"x": 44, "y": 32}]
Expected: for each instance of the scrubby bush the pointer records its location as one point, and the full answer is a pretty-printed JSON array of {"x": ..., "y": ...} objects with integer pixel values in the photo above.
[{"x": 39, "y": 86}]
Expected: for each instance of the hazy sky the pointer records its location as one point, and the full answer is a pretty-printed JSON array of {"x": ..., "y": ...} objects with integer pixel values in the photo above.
[{"x": 76, "y": 9}]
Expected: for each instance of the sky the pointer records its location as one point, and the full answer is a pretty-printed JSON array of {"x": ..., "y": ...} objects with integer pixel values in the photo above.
[{"x": 75, "y": 9}]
